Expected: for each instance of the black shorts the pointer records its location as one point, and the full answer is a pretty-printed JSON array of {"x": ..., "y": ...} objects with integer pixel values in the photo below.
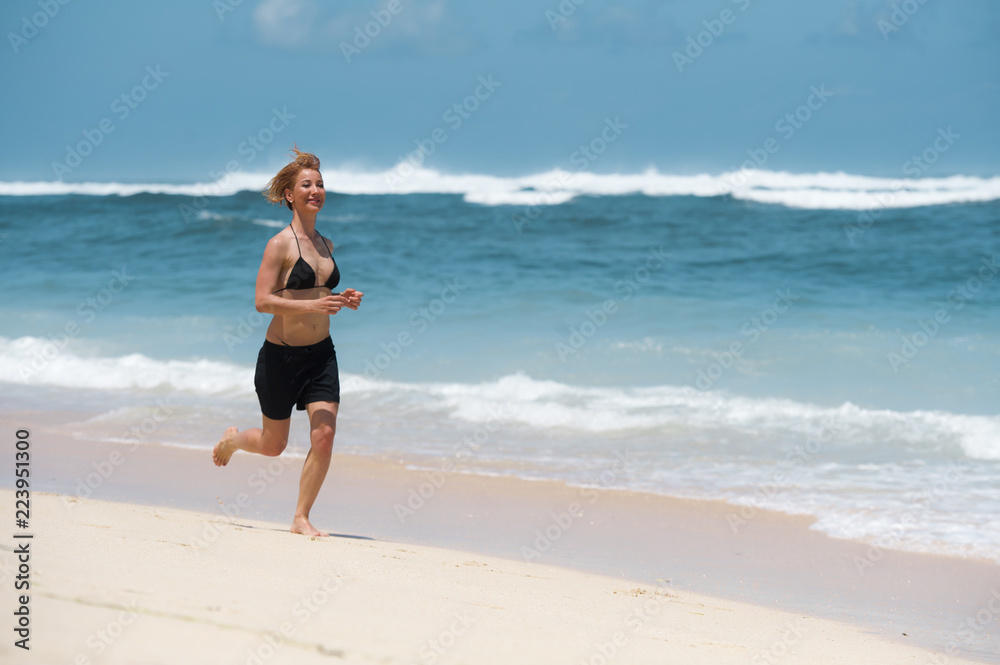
[{"x": 295, "y": 376}]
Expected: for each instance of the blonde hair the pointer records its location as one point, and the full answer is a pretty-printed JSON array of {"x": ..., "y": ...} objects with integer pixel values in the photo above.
[{"x": 275, "y": 191}]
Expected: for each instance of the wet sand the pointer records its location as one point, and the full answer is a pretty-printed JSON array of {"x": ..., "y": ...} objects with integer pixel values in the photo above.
[{"x": 773, "y": 565}]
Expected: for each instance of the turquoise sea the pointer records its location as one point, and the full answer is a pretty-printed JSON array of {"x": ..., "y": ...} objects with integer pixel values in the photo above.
[{"x": 823, "y": 344}]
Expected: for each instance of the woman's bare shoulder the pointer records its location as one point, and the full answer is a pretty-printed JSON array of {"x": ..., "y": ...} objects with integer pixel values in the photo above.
[
  {"x": 281, "y": 239},
  {"x": 281, "y": 245}
]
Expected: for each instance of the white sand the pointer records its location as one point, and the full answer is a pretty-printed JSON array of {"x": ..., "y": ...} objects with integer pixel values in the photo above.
[{"x": 119, "y": 583}]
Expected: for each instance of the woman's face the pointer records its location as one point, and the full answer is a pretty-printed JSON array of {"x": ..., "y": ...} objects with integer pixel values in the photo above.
[{"x": 309, "y": 193}]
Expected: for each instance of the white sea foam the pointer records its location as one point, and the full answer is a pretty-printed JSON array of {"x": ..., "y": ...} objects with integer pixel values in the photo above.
[
  {"x": 804, "y": 190},
  {"x": 236, "y": 182},
  {"x": 38, "y": 361},
  {"x": 863, "y": 473},
  {"x": 270, "y": 223},
  {"x": 540, "y": 405}
]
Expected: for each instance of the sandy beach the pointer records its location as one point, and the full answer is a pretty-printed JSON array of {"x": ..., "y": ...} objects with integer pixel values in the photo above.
[
  {"x": 150, "y": 554},
  {"x": 645, "y": 333},
  {"x": 119, "y": 583}
]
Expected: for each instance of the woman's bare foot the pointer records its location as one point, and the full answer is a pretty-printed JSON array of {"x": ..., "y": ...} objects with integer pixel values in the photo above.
[
  {"x": 225, "y": 448},
  {"x": 302, "y": 525}
]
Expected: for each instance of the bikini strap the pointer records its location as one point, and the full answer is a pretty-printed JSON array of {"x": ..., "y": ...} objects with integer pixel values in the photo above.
[{"x": 296, "y": 240}]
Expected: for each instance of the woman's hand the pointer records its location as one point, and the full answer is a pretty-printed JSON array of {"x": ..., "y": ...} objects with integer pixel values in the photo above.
[
  {"x": 352, "y": 298},
  {"x": 330, "y": 304}
]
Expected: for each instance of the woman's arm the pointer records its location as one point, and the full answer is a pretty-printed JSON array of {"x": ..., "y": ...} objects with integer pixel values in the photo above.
[{"x": 269, "y": 281}]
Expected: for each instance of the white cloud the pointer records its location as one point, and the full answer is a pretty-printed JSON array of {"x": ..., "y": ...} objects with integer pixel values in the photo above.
[
  {"x": 310, "y": 24},
  {"x": 286, "y": 23}
]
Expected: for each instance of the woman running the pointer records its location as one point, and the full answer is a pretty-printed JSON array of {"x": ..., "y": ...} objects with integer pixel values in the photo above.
[{"x": 297, "y": 366}]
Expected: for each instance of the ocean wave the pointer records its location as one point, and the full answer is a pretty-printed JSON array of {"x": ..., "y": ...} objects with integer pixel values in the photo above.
[
  {"x": 36, "y": 361},
  {"x": 682, "y": 409},
  {"x": 540, "y": 405},
  {"x": 828, "y": 191},
  {"x": 209, "y": 216},
  {"x": 237, "y": 182}
]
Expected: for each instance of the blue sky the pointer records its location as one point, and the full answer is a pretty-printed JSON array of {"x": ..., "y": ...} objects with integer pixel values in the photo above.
[{"x": 200, "y": 76}]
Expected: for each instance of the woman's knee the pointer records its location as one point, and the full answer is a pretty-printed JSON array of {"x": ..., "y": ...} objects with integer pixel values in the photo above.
[
  {"x": 322, "y": 438},
  {"x": 272, "y": 446}
]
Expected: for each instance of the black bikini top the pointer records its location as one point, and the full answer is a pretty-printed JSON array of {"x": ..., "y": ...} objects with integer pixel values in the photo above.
[{"x": 302, "y": 275}]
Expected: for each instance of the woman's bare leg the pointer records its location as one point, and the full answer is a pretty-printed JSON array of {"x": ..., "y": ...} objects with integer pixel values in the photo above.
[
  {"x": 270, "y": 440},
  {"x": 322, "y": 426}
]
